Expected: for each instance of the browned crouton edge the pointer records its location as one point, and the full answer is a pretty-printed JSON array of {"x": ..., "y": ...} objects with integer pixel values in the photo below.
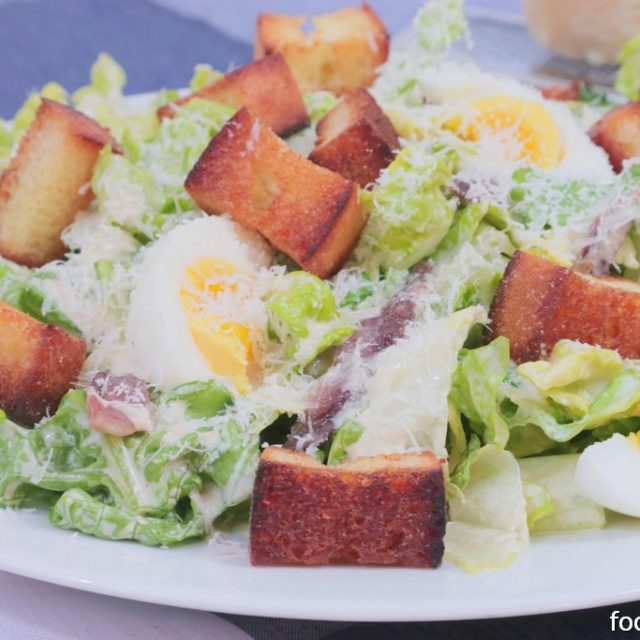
[
  {"x": 381, "y": 510},
  {"x": 539, "y": 302},
  {"x": 38, "y": 365}
]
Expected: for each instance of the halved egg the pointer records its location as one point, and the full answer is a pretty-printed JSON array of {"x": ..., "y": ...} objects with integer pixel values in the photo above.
[
  {"x": 608, "y": 473},
  {"x": 522, "y": 125},
  {"x": 194, "y": 311}
]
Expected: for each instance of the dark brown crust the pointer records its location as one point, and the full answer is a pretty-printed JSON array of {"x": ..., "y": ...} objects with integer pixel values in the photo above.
[
  {"x": 539, "y": 303},
  {"x": 309, "y": 514},
  {"x": 618, "y": 133},
  {"x": 38, "y": 365},
  {"x": 563, "y": 92},
  {"x": 45, "y": 191},
  {"x": 356, "y": 139},
  {"x": 266, "y": 86},
  {"x": 309, "y": 213}
]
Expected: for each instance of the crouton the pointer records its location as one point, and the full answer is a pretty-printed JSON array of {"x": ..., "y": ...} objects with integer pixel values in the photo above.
[
  {"x": 47, "y": 183},
  {"x": 267, "y": 87},
  {"x": 355, "y": 139},
  {"x": 618, "y": 133},
  {"x": 564, "y": 92},
  {"x": 309, "y": 213},
  {"x": 38, "y": 365},
  {"x": 380, "y": 510},
  {"x": 341, "y": 54},
  {"x": 539, "y": 302}
]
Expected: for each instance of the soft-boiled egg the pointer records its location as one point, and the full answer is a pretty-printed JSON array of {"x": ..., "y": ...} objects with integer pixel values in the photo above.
[
  {"x": 508, "y": 122},
  {"x": 528, "y": 125},
  {"x": 194, "y": 312},
  {"x": 608, "y": 472}
]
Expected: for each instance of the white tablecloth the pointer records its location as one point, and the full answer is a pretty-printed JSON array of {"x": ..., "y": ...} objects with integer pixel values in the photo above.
[{"x": 33, "y": 610}]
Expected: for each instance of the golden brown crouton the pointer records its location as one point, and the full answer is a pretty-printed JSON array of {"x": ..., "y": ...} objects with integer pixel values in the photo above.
[
  {"x": 267, "y": 87},
  {"x": 47, "y": 183},
  {"x": 341, "y": 54},
  {"x": 356, "y": 139},
  {"x": 309, "y": 213},
  {"x": 618, "y": 133},
  {"x": 38, "y": 365},
  {"x": 380, "y": 510},
  {"x": 539, "y": 302}
]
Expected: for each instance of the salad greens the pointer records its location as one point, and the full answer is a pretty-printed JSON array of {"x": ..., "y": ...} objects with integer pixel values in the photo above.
[{"x": 455, "y": 209}]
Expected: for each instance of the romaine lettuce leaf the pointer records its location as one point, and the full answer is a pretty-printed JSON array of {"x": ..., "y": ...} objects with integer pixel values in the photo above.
[
  {"x": 19, "y": 288},
  {"x": 409, "y": 213},
  {"x": 565, "y": 508},
  {"x": 346, "y": 435},
  {"x": 11, "y": 132},
  {"x": 405, "y": 405},
  {"x": 77, "y": 510},
  {"x": 318, "y": 104},
  {"x": 538, "y": 199},
  {"x": 304, "y": 317},
  {"x": 628, "y": 77},
  {"x": 487, "y": 526},
  {"x": 103, "y": 100},
  {"x": 474, "y": 389},
  {"x": 203, "y": 76},
  {"x": 439, "y": 24},
  {"x": 108, "y": 484}
]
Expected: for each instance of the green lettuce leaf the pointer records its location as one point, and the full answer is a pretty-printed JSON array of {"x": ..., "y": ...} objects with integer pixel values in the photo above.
[
  {"x": 318, "y": 104},
  {"x": 475, "y": 386},
  {"x": 19, "y": 288},
  {"x": 304, "y": 317},
  {"x": 202, "y": 399},
  {"x": 347, "y": 434},
  {"x": 11, "y": 132},
  {"x": 628, "y": 77},
  {"x": 79, "y": 511},
  {"x": 439, "y": 24},
  {"x": 565, "y": 508},
  {"x": 104, "y": 101},
  {"x": 203, "y": 76},
  {"x": 171, "y": 153},
  {"x": 539, "y": 200},
  {"x": 574, "y": 375},
  {"x": 487, "y": 526},
  {"x": 409, "y": 213},
  {"x": 108, "y": 484}
]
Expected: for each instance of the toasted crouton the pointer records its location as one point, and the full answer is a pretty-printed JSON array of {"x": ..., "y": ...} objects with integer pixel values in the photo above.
[
  {"x": 539, "y": 302},
  {"x": 341, "y": 54},
  {"x": 38, "y": 365},
  {"x": 47, "y": 183},
  {"x": 618, "y": 133},
  {"x": 309, "y": 213},
  {"x": 356, "y": 139},
  {"x": 380, "y": 510},
  {"x": 563, "y": 92},
  {"x": 267, "y": 87}
]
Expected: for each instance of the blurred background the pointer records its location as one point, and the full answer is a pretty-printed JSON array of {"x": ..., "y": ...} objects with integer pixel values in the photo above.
[{"x": 158, "y": 42}]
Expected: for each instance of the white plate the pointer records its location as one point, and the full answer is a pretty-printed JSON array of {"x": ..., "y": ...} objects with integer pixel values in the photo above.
[{"x": 560, "y": 573}]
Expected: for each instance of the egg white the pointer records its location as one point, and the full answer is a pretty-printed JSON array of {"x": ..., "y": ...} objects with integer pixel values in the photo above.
[
  {"x": 158, "y": 337},
  {"x": 451, "y": 88},
  {"x": 608, "y": 472}
]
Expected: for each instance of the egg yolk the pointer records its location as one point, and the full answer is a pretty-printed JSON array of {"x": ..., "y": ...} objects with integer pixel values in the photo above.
[
  {"x": 529, "y": 123},
  {"x": 225, "y": 345},
  {"x": 634, "y": 439}
]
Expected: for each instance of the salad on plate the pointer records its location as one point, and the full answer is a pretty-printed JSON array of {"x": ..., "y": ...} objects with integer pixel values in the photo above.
[{"x": 378, "y": 302}]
